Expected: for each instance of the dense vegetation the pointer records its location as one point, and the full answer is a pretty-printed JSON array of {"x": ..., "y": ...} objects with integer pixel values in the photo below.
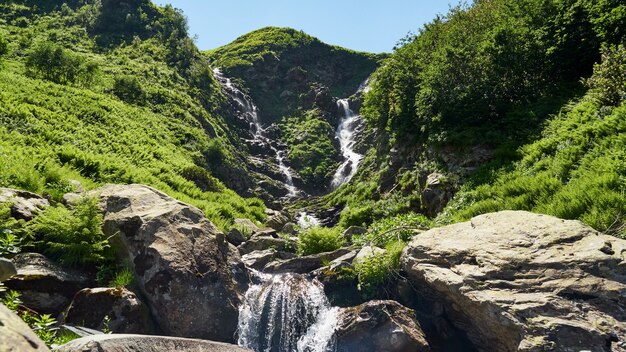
[
  {"x": 512, "y": 79},
  {"x": 92, "y": 93}
]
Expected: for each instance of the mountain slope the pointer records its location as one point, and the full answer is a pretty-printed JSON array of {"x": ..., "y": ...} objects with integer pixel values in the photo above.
[{"x": 79, "y": 100}]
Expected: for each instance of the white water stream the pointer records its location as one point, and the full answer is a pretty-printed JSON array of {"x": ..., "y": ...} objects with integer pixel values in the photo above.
[
  {"x": 346, "y": 133},
  {"x": 287, "y": 313},
  {"x": 246, "y": 105}
]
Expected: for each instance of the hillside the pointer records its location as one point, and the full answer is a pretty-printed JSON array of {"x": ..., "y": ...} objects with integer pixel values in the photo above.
[{"x": 130, "y": 102}]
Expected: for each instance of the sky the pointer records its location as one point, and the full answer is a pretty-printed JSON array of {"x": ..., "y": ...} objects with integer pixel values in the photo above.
[{"x": 365, "y": 25}]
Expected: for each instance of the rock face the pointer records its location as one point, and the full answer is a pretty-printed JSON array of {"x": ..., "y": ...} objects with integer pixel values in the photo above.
[
  {"x": 259, "y": 259},
  {"x": 305, "y": 264},
  {"x": 517, "y": 281},
  {"x": 145, "y": 343},
  {"x": 45, "y": 286},
  {"x": 259, "y": 243},
  {"x": 379, "y": 326},
  {"x": 7, "y": 269},
  {"x": 25, "y": 204},
  {"x": 126, "y": 312},
  {"x": 436, "y": 194},
  {"x": 16, "y": 336},
  {"x": 181, "y": 261}
]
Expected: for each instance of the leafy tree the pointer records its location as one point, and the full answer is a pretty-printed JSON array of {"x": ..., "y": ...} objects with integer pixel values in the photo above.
[
  {"x": 54, "y": 63},
  {"x": 608, "y": 83},
  {"x": 129, "y": 89}
]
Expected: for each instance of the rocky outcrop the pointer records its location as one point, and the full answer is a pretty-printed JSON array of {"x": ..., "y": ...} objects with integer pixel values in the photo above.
[
  {"x": 24, "y": 205},
  {"x": 379, "y": 326},
  {"x": 259, "y": 259},
  {"x": 353, "y": 230},
  {"x": 16, "y": 336},
  {"x": 183, "y": 265},
  {"x": 235, "y": 237},
  {"x": 7, "y": 269},
  {"x": 45, "y": 286},
  {"x": 259, "y": 243},
  {"x": 436, "y": 194},
  {"x": 276, "y": 219},
  {"x": 304, "y": 264},
  {"x": 517, "y": 281},
  {"x": 126, "y": 313},
  {"x": 145, "y": 343}
]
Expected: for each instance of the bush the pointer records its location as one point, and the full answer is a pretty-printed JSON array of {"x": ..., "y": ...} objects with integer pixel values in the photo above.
[
  {"x": 202, "y": 178},
  {"x": 375, "y": 271},
  {"x": 72, "y": 237},
  {"x": 54, "y": 63},
  {"x": 129, "y": 89},
  {"x": 124, "y": 278},
  {"x": 4, "y": 45},
  {"x": 320, "y": 239},
  {"x": 608, "y": 83},
  {"x": 392, "y": 229}
]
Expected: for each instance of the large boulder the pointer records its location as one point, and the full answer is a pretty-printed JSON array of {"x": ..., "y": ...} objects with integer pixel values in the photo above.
[
  {"x": 379, "y": 326},
  {"x": 25, "y": 205},
  {"x": 7, "y": 269},
  {"x": 260, "y": 243},
  {"x": 259, "y": 259},
  {"x": 184, "y": 267},
  {"x": 45, "y": 286},
  {"x": 517, "y": 281},
  {"x": 126, "y": 313},
  {"x": 16, "y": 336},
  {"x": 145, "y": 343}
]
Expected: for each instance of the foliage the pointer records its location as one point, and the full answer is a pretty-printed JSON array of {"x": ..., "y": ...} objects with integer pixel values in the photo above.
[
  {"x": 4, "y": 45},
  {"x": 393, "y": 229},
  {"x": 123, "y": 278},
  {"x": 129, "y": 89},
  {"x": 12, "y": 237},
  {"x": 53, "y": 63},
  {"x": 375, "y": 271},
  {"x": 73, "y": 237},
  {"x": 320, "y": 239},
  {"x": 311, "y": 151},
  {"x": 608, "y": 82}
]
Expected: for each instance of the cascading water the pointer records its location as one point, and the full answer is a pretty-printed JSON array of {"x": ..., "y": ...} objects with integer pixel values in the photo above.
[
  {"x": 286, "y": 313},
  {"x": 346, "y": 133},
  {"x": 252, "y": 114}
]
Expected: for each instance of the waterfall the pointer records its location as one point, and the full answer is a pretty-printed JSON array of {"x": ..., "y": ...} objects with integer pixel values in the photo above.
[
  {"x": 346, "y": 133},
  {"x": 286, "y": 313},
  {"x": 306, "y": 220},
  {"x": 252, "y": 115}
]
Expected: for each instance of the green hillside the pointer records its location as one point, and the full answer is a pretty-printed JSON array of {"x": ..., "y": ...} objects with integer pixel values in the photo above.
[{"x": 130, "y": 103}]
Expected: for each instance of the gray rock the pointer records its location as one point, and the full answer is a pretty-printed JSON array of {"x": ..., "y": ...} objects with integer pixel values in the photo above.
[
  {"x": 290, "y": 229},
  {"x": 265, "y": 232},
  {"x": 517, "y": 281},
  {"x": 184, "y": 268},
  {"x": 379, "y": 326},
  {"x": 45, "y": 286},
  {"x": 259, "y": 259},
  {"x": 367, "y": 252},
  {"x": 263, "y": 243},
  {"x": 235, "y": 237},
  {"x": 277, "y": 221},
  {"x": 145, "y": 343},
  {"x": 25, "y": 205},
  {"x": 7, "y": 269},
  {"x": 436, "y": 194},
  {"x": 126, "y": 312},
  {"x": 353, "y": 230},
  {"x": 305, "y": 264},
  {"x": 247, "y": 225},
  {"x": 16, "y": 336}
]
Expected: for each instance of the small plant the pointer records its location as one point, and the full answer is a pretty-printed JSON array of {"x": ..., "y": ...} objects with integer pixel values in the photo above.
[
  {"x": 12, "y": 300},
  {"x": 375, "y": 271},
  {"x": 9, "y": 243},
  {"x": 106, "y": 322},
  {"x": 397, "y": 228},
  {"x": 320, "y": 239},
  {"x": 44, "y": 327},
  {"x": 122, "y": 279}
]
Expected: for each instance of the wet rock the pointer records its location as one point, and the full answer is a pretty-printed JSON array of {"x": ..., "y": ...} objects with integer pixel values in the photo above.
[
  {"x": 379, "y": 326},
  {"x": 7, "y": 269},
  {"x": 305, "y": 264},
  {"x": 353, "y": 230},
  {"x": 126, "y": 312},
  {"x": 45, "y": 286},
  {"x": 16, "y": 336},
  {"x": 259, "y": 259},
  {"x": 184, "y": 268},
  {"x": 25, "y": 205},
  {"x": 260, "y": 243},
  {"x": 517, "y": 281},
  {"x": 145, "y": 343},
  {"x": 340, "y": 281},
  {"x": 235, "y": 237}
]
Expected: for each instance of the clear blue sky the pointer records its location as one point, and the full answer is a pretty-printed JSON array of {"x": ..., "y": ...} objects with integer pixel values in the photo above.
[{"x": 367, "y": 25}]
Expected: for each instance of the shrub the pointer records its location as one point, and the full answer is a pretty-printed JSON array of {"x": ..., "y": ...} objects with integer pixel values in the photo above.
[
  {"x": 4, "y": 45},
  {"x": 129, "y": 89},
  {"x": 392, "y": 229},
  {"x": 202, "y": 178},
  {"x": 375, "y": 271},
  {"x": 54, "y": 63},
  {"x": 72, "y": 237},
  {"x": 123, "y": 278},
  {"x": 320, "y": 239},
  {"x": 608, "y": 82}
]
